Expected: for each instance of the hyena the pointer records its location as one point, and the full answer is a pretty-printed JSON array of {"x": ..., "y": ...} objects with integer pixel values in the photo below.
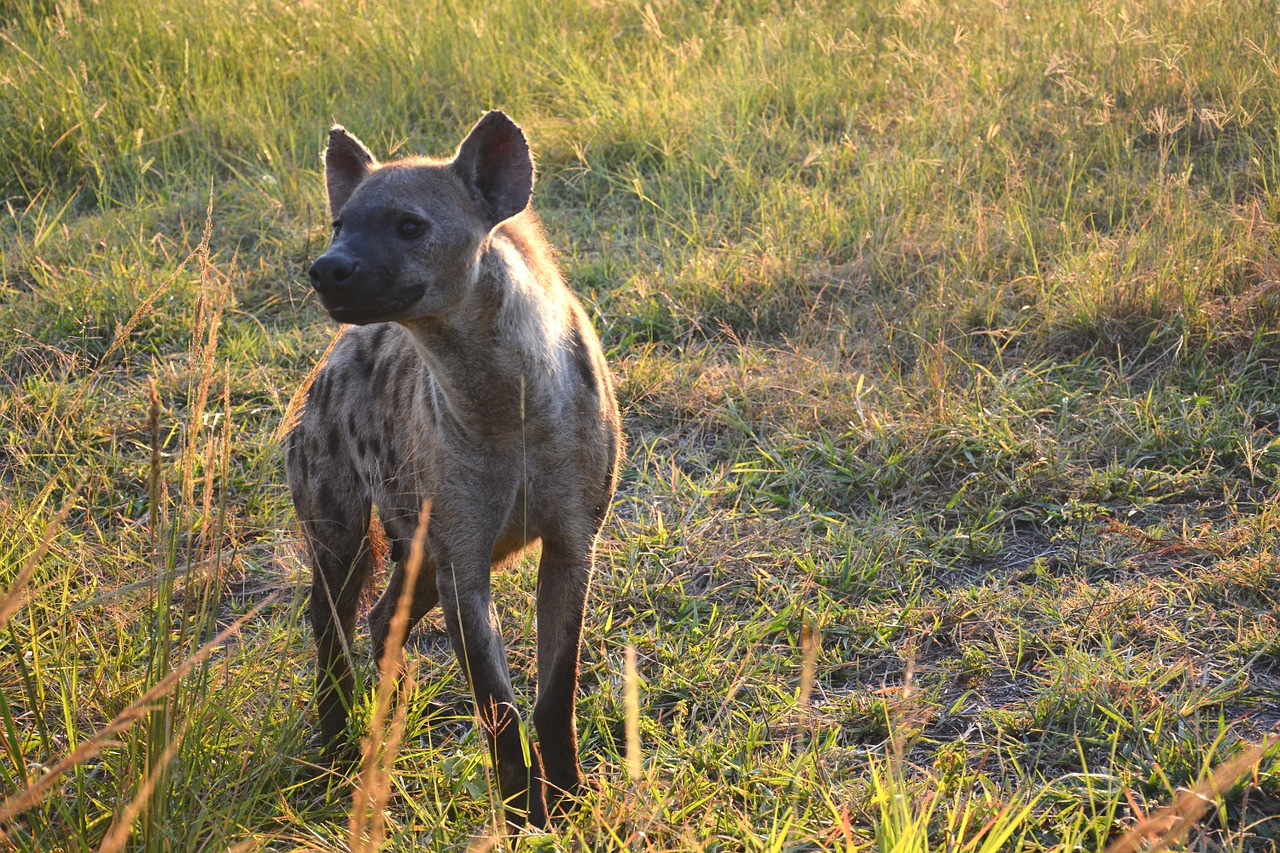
[{"x": 473, "y": 379}]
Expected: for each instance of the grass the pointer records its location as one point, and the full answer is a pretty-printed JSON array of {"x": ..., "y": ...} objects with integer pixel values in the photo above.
[{"x": 948, "y": 338}]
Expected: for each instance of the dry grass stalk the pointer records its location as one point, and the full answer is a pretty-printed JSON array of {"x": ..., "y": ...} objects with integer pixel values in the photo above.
[
  {"x": 146, "y": 306},
  {"x": 810, "y": 645},
  {"x": 90, "y": 747},
  {"x": 154, "y": 479},
  {"x": 118, "y": 834},
  {"x": 294, "y": 410},
  {"x": 16, "y": 595},
  {"x": 209, "y": 307},
  {"x": 631, "y": 696},
  {"x": 373, "y": 790},
  {"x": 1169, "y": 825}
]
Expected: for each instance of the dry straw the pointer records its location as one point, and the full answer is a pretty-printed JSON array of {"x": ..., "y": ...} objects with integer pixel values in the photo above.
[
  {"x": 631, "y": 696},
  {"x": 1169, "y": 825},
  {"x": 36, "y": 791},
  {"x": 373, "y": 789}
]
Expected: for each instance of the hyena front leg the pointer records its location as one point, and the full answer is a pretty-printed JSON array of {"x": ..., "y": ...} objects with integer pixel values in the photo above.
[
  {"x": 463, "y": 542},
  {"x": 334, "y": 511},
  {"x": 564, "y": 575},
  {"x": 341, "y": 564}
]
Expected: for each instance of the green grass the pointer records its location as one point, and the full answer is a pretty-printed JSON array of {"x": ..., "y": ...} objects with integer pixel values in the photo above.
[{"x": 949, "y": 330}]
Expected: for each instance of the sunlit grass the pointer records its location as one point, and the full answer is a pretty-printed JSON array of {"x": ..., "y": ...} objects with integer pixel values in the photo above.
[{"x": 947, "y": 336}]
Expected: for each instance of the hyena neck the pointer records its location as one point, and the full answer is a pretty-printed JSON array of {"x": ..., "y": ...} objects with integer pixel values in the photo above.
[{"x": 494, "y": 357}]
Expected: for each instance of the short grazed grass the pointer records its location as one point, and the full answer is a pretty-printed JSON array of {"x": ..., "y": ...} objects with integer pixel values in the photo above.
[{"x": 948, "y": 336}]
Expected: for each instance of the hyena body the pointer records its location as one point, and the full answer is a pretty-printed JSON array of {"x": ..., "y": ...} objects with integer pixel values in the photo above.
[{"x": 473, "y": 380}]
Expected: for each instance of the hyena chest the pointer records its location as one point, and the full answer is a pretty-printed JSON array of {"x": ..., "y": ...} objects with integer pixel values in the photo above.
[{"x": 380, "y": 419}]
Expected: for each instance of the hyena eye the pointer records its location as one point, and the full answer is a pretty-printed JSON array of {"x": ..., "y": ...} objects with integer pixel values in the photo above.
[
  {"x": 337, "y": 226},
  {"x": 410, "y": 227}
]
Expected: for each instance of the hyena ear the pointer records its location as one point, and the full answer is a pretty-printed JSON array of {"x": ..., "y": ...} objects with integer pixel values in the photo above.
[
  {"x": 495, "y": 164},
  {"x": 346, "y": 163}
]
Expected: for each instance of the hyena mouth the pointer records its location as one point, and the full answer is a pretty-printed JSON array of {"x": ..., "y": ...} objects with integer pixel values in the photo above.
[{"x": 362, "y": 314}]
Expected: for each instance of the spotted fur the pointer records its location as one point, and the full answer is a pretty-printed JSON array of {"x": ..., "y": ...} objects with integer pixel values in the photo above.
[{"x": 474, "y": 379}]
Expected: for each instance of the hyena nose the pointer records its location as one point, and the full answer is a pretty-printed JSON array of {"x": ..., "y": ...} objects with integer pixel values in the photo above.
[{"x": 331, "y": 272}]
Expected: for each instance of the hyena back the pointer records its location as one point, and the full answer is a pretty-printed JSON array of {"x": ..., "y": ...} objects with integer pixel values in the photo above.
[{"x": 473, "y": 379}]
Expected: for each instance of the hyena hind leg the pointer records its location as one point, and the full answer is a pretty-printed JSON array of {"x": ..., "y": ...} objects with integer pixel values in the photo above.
[
  {"x": 423, "y": 598},
  {"x": 342, "y": 559}
]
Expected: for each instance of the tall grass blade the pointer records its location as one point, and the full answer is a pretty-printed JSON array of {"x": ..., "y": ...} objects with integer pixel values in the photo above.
[
  {"x": 373, "y": 787},
  {"x": 1170, "y": 825},
  {"x": 23, "y": 800}
]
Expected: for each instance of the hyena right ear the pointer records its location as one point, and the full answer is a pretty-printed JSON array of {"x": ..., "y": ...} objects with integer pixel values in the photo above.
[{"x": 346, "y": 163}]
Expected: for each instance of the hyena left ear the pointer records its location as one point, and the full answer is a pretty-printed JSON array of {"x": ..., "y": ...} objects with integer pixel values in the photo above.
[
  {"x": 495, "y": 164},
  {"x": 346, "y": 163}
]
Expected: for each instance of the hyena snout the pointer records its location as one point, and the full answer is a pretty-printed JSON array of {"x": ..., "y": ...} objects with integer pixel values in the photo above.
[{"x": 334, "y": 274}]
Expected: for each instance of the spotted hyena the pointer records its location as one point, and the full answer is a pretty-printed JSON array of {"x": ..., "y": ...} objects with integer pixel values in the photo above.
[{"x": 473, "y": 379}]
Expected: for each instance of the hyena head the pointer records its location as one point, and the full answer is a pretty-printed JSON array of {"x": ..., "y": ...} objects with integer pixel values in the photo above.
[{"x": 408, "y": 235}]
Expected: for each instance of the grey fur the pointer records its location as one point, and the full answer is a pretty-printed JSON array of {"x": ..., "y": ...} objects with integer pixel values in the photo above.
[{"x": 475, "y": 380}]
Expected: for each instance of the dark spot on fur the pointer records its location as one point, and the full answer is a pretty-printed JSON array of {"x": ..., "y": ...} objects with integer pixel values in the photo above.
[
  {"x": 494, "y": 305},
  {"x": 329, "y": 507},
  {"x": 319, "y": 394},
  {"x": 295, "y": 460},
  {"x": 375, "y": 446},
  {"x": 361, "y": 447},
  {"x": 337, "y": 388},
  {"x": 582, "y": 358},
  {"x": 351, "y": 424},
  {"x": 335, "y": 440},
  {"x": 393, "y": 392},
  {"x": 379, "y": 382},
  {"x": 397, "y": 550}
]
